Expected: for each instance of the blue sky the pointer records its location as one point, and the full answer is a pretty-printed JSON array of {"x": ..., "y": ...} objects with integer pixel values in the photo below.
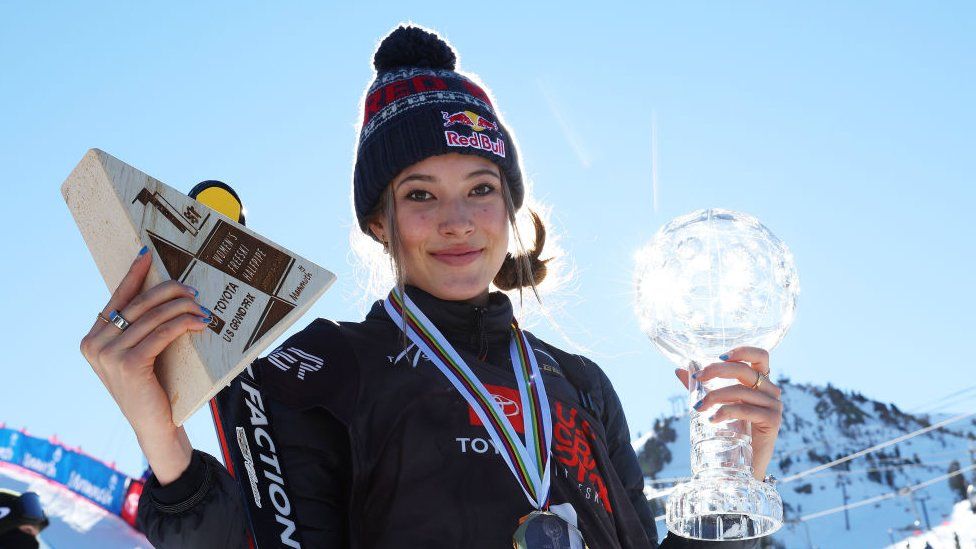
[{"x": 847, "y": 129}]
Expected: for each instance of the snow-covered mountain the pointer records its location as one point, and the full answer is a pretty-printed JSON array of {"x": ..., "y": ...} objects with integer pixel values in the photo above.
[{"x": 823, "y": 424}]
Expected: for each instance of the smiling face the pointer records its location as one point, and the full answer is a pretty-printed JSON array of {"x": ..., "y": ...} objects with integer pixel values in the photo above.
[{"x": 451, "y": 225}]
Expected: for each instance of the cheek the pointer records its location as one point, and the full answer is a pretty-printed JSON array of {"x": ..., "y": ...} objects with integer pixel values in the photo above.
[
  {"x": 494, "y": 222},
  {"x": 493, "y": 218},
  {"x": 413, "y": 229}
]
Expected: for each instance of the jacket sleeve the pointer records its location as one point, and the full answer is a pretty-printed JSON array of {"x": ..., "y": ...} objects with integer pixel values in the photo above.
[
  {"x": 203, "y": 507},
  {"x": 295, "y": 439},
  {"x": 200, "y": 508},
  {"x": 622, "y": 455},
  {"x": 624, "y": 460}
]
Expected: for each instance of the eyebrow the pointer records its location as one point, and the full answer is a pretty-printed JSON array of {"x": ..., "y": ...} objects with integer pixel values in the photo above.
[{"x": 431, "y": 179}]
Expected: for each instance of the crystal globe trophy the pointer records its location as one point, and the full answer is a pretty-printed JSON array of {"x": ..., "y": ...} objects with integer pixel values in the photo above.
[{"x": 709, "y": 282}]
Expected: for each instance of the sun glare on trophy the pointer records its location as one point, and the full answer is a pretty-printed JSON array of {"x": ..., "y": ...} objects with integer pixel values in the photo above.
[{"x": 712, "y": 280}]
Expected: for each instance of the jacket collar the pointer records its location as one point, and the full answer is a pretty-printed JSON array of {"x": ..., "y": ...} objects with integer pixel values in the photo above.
[{"x": 461, "y": 322}]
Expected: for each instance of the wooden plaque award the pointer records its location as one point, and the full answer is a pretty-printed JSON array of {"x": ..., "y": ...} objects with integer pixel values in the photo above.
[{"x": 255, "y": 288}]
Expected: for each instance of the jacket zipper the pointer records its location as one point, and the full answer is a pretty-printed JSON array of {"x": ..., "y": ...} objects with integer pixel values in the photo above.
[{"x": 480, "y": 333}]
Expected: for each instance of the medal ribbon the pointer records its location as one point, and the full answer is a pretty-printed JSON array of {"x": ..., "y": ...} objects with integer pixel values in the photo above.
[{"x": 529, "y": 462}]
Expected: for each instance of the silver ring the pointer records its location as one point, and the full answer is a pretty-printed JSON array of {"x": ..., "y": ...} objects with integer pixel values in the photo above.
[{"x": 117, "y": 320}]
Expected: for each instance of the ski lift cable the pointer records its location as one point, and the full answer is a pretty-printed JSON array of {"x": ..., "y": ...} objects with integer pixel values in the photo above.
[
  {"x": 657, "y": 494},
  {"x": 848, "y": 457},
  {"x": 888, "y": 495},
  {"x": 878, "y": 446},
  {"x": 901, "y": 492},
  {"x": 953, "y": 452},
  {"x": 886, "y": 468},
  {"x": 955, "y": 401},
  {"x": 918, "y": 408},
  {"x": 790, "y": 452},
  {"x": 895, "y": 467}
]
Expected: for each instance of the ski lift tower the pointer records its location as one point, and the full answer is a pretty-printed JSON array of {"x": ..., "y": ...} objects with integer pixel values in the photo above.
[{"x": 678, "y": 407}]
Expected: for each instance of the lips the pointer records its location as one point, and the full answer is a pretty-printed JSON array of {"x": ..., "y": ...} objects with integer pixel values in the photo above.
[{"x": 459, "y": 255}]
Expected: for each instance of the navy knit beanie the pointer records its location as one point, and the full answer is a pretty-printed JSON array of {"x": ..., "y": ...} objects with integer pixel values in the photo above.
[{"x": 419, "y": 107}]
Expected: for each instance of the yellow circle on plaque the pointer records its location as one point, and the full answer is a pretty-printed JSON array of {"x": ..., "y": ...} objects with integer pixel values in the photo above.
[{"x": 222, "y": 200}]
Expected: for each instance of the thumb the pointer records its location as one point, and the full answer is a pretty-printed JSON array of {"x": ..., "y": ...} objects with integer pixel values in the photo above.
[{"x": 682, "y": 375}]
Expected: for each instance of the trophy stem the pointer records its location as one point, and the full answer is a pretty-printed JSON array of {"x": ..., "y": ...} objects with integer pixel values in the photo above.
[{"x": 722, "y": 501}]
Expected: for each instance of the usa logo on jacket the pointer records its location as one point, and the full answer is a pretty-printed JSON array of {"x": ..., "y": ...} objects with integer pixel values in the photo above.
[{"x": 285, "y": 358}]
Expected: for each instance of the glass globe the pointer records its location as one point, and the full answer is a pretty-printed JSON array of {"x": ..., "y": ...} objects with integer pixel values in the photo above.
[
  {"x": 709, "y": 282},
  {"x": 713, "y": 280}
]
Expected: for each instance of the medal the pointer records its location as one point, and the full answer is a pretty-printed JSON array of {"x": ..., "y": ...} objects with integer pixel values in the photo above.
[
  {"x": 545, "y": 530},
  {"x": 529, "y": 461}
]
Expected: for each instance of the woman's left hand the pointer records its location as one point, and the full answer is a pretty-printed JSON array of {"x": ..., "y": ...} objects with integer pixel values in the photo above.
[{"x": 761, "y": 406}]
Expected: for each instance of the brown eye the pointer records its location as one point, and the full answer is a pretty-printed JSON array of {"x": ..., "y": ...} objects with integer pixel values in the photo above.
[
  {"x": 483, "y": 189},
  {"x": 418, "y": 195}
]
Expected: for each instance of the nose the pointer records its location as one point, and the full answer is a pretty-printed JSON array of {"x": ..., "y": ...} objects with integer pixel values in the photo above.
[{"x": 457, "y": 219}]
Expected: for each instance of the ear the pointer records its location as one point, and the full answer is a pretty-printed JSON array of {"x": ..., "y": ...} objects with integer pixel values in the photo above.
[{"x": 378, "y": 230}]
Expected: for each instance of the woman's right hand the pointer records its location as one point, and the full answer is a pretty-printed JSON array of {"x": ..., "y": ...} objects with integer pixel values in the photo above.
[{"x": 125, "y": 360}]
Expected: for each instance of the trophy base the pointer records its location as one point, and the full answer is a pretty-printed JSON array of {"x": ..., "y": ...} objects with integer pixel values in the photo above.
[{"x": 726, "y": 508}]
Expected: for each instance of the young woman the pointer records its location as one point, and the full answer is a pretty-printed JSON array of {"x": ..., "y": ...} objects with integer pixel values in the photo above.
[{"x": 436, "y": 421}]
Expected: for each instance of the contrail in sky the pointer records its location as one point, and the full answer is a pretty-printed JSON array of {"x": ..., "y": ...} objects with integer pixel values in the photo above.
[
  {"x": 568, "y": 131},
  {"x": 654, "y": 159}
]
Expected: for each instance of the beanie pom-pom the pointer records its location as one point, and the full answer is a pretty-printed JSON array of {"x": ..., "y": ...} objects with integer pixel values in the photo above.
[{"x": 413, "y": 47}]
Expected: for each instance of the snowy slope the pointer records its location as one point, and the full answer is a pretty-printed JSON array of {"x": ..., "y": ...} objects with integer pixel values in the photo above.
[
  {"x": 959, "y": 526},
  {"x": 819, "y": 425}
]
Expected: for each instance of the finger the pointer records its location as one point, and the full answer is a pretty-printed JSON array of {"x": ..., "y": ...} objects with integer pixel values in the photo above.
[
  {"x": 138, "y": 305},
  {"x": 157, "y": 316},
  {"x": 744, "y": 373},
  {"x": 758, "y": 358},
  {"x": 128, "y": 287},
  {"x": 682, "y": 375},
  {"x": 156, "y": 296},
  {"x": 759, "y": 416},
  {"x": 161, "y": 336},
  {"x": 736, "y": 394}
]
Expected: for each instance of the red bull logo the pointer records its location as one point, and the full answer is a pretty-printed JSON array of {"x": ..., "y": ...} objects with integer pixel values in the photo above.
[
  {"x": 475, "y": 140},
  {"x": 470, "y": 119}
]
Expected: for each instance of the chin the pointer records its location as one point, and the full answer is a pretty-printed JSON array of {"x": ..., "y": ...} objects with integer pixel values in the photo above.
[
  {"x": 458, "y": 290},
  {"x": 453, "y": 286}
]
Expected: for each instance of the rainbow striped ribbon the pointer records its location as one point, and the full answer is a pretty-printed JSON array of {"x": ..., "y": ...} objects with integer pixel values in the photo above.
[{"x": 529, "y": 462}]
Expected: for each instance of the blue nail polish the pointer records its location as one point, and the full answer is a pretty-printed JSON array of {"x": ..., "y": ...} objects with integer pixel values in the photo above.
[
  {"x": 207, "y": 320},
  {"x": 696, "y": 374},
  {"x": 144, "y": 250},
  {"x": 206, "y": 311},
  {"x": 699, "y": 403},
  {"x": 196, "y": 293},
  {"x": 725, "y": 356}
]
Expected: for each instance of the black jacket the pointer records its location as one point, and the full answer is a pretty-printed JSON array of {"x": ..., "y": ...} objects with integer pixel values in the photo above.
[{"x": 374, "y": 448}]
